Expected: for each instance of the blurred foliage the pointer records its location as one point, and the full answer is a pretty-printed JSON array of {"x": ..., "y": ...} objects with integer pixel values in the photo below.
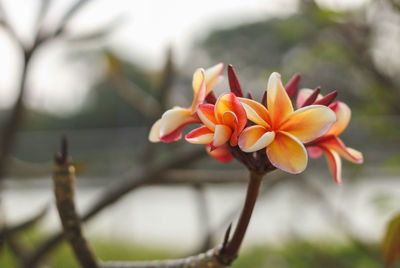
[
  {"x": 302, "y": 254},
  {"x": 294, "y": 44},
  {"x": 314, "y": 43},
  {"x": 392, "y": 162},
  {"x": 293, "y": 254}
]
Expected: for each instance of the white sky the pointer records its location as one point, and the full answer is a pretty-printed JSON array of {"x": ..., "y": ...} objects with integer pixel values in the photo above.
[{"x": 150, "y": 26}]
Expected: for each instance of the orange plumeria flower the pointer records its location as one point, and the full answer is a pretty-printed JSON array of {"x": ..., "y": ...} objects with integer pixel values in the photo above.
[
  {"x": 281, "y": 130},
  {"x": 222, "y": 122},
  {"x": 330, "y": 143},
  {"x": 169, "y": 127}
]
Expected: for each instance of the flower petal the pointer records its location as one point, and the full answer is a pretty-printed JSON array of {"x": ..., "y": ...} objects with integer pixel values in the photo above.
[
  {"x": 334, "y": 164},
  {"x": 154, "y": 135},
  {"x": 291, "y": 86},
  {"x": 173, "y": 121},
  {"x": 201, "y": 135},
  {"x": 206, "y": 115},
  {"x": 327, "y": 99},
  {"x": 256, "y": 112},
  {"x": 287, "y": 153},
  {"x": 314, "y": 151},
  {"x": 221, "y": 135},
  {"x": 212, "y": 76},
  {"x": 229, "y": 102},
  {"x": 229, "y": 119},
  {"x": 255, "y": 138},
  {"x": 303, "y": 95},
  {"x": 234, "y": 83},
  {"x": 221, "y": 153},
  {"x": 309, "y": 123},
  {"x": 336, "y": 144},
  {"x": 199, "y": 88},
  {"x": 343, "y": 115},
  {"x": 313, "y": 97},
  {"x": 278, "y": 101}
]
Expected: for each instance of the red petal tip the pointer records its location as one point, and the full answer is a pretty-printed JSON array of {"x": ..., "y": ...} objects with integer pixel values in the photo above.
[
  {"x": 292, "y": 85},
  {"x": 310, "y": 100},
  {"x": 211, "y": 98},
  {"x": 212, "y": 147},
  {"x": 334, "y": 105},
  {"x": 249, "y": 96},
  {"x": 234, "y": 84},
  {"x": 264, "y": 99},
  {"x": 327, "y": 99}
]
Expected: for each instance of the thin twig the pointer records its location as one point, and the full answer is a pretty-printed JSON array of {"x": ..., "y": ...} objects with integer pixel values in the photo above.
[{"x": 24, "y": 224}]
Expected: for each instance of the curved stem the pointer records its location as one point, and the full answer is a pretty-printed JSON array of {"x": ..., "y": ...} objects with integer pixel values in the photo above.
[{"x": 253, "y": 188}]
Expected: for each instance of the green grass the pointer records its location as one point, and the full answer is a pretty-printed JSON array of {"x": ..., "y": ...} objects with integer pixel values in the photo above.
[
  {"x": 293, "y": 254},
  {"x": 301, "y": 254}
]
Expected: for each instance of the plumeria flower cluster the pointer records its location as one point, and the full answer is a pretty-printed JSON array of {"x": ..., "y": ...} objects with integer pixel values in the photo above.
[{"x": 262, "y": 135}]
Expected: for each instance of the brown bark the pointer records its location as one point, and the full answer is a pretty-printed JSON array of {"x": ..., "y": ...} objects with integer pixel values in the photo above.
[{"x": 64, "y": 180}]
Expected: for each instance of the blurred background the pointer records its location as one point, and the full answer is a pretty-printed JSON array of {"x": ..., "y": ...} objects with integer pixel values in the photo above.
[{"x": 101, "y": 72}]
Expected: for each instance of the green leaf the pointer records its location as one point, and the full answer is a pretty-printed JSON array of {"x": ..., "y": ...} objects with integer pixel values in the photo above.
[{"x": 391, "y": 242}]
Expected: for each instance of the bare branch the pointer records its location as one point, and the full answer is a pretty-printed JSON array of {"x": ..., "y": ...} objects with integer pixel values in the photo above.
[
  {"x": 16, "y": 247},
  {"x": 24, "y": 224},
  {"x": 64, "y": 180},
  {"x": 208, "y": 259},
  {"x": 137, "y": 97},
  {"x": 114, "y": 193}
]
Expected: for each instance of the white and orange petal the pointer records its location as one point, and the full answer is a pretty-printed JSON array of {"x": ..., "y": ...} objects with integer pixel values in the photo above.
[
  {"x": 337, "y": 145},
  {"x": 230, "y": 119},
  {"x": 206, "y": 114},
  {"x": 255, "y": 138},
  {"x": 309, "y": 123},
  {"x": 221, "y": 153},
  {"x": 199, "y": 89},
  {"x": 343, "y": 115},
  {"x": 201, "y": 135},
  {"x": 222, "y": 134},
  {"x": 287, "y": 153},
  {"x": 212, "y": 76},
  {"x": 228, "y": 102},
  {"x": 256, "y": 112},
  {"x": 303, "y": 95},
  {"x": 334, "y": 164},
  {"x": 278, "y": 102},
  {"x": 172, "y": 122},
  {"x": 154, "y": 135}
]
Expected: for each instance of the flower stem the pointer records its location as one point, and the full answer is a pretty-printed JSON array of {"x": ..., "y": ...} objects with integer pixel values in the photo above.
[{"x": 233, "y": 246}]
